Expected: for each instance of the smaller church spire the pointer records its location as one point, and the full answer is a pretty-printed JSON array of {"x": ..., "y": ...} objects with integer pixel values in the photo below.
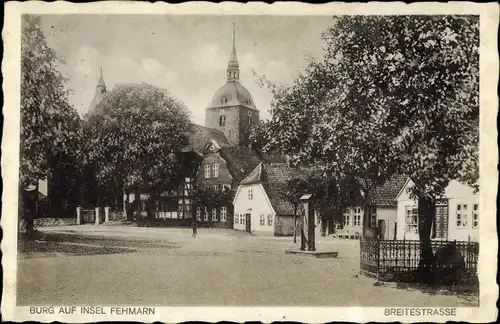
[
  {"x": 233, "y": 68},
  {"x": 101, "y": 82}
]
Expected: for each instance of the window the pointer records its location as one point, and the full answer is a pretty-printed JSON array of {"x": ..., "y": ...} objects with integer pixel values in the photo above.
[
  {"x": 347, "y": 216},
  {"x": 223, "y": 214},
  {"x": 243, "y": 219},
  {"x": 461, "y": 215},
  {"x": 223, "y": 100},
  {"x": 250, "y": 194},
  {"x": 215, "y": 170},
  {"x": 222, "y": 120},
  {"x": 262, "y": 220},
  {"x": 249, "y": 118},
  {"x": 205, "y": 215},
  {"x": 198, "y": 214},
  {"x": 475, "y": 216},
  {"x": 207, "y": 171},
  {"x": 214, "y": 214},
  {"x": 411, "y": 219},
  {"x": 357, "y": 216},
  {"x": 269, "y": 220},
  {"x": 216, "y": 187},
  {"x": 373, "y": 217}
]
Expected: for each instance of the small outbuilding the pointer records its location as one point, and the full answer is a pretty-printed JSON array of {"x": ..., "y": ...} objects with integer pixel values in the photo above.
[{"x": 260, "y": 203}]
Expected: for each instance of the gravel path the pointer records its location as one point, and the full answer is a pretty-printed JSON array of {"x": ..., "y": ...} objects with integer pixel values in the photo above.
[{"x": 219, "y": 267}]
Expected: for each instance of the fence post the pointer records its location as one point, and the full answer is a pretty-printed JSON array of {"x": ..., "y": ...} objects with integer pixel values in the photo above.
[
  {"x": 78, "y": 215},
  {"x": 106, "y": 214},
  {"x": 97, "y": 220},
  {"x": 377, "y": 244}
]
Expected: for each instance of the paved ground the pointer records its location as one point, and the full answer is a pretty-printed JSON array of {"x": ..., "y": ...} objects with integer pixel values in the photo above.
[{"x": 166, "y": 266}]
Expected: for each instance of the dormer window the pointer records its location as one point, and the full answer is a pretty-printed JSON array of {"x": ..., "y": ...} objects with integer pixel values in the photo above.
[
  {"x": 223, "y": 100},
  {"x": 222, "y": 120},
  {"x": 249, "y": 102}
]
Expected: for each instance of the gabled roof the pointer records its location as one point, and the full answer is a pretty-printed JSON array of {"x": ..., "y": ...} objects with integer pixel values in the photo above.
[
  {"x": 200, "y": 136},
  {"x": 386, "y": 194},
  {"x": 274, "y": 178},
  {"x": 254, "y": 177},
  {"x": 241, "y": 160}
]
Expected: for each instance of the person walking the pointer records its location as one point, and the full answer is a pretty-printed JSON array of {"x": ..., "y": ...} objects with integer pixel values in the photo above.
[{"x": 194, "y": 226}]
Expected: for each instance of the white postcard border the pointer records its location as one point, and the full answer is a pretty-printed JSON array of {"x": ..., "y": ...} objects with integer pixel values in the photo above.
[{"x": 489, "y": 15}]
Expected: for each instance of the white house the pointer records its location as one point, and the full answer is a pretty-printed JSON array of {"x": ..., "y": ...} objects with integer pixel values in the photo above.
[
  {"x": 260, "y": 205},
  {"x": 383, "y": 212},
  {"x": 457, "y": 216}
]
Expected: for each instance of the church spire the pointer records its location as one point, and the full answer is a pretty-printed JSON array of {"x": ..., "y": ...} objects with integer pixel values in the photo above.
[
  {"x": 101, "y": 82},
  {"x": 233, "y": 68},
  {"x": 100, "y": 89}
]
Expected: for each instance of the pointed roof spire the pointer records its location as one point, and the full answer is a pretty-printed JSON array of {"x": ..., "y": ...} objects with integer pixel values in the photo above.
[
  {"x": 101, "y": 82},
  {"x": 233, "y": 69},
  {"x": 233, "y": 57}
]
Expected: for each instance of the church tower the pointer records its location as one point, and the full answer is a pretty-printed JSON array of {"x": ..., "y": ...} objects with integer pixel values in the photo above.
[
  {"x": 232, "y": 109},
  {"x": 100, "y": 90}
]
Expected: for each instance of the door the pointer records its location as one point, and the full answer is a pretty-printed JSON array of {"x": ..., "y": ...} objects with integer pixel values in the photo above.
[
  {"x": 382, "y": 229},
  {"x": 442, "y": 222},
  {"x": 248, "y": 225}
]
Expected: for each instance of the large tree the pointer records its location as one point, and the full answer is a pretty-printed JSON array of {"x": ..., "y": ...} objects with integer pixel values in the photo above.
[
  {"x": 50, "y": 126},
  {"x": 133, "y": 139},
  {"x": 393, "y": 94}
]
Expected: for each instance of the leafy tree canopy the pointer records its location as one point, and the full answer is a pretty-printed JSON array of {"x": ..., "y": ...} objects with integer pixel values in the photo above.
[
  {"x": 134, "y": 135},
  {"x": 392, "y": 94},
  {"x": 50, "y": 127}
]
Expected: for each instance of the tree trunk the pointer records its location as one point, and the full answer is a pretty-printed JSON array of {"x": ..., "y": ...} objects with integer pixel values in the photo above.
[
  {"x": 295, "y": 224},
  {"x": 125, "y": 202},
  {"x": 21, "y": 212},
  {"x": 366, "y": 217},
  {"x": 136, "y": 206},
  {"x": 426, "y": 215}
]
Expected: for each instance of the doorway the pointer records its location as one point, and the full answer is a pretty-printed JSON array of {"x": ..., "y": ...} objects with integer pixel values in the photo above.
[{"x": 248, "y": 223}]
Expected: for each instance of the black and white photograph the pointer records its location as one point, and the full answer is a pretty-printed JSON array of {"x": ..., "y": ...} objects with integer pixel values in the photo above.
[{"x": 245, "y": 161}]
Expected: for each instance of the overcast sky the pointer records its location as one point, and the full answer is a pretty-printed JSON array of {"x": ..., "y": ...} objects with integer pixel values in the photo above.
[{"x": 187, "y": 55}]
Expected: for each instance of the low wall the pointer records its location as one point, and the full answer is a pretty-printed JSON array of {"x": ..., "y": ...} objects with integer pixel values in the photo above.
[{"x": 49, "y": 222}]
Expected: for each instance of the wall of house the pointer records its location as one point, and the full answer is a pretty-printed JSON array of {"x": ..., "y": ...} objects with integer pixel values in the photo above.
[
  {"x": 389, "y": 216},
  {"x": 456, "y": 193},
  {"x": 224, "y": 176},
  {"x": 350, "y": 227},
  {"x": 401, "y": 233},
  {"x": 218, "y": 222},
  {"x": 462, "y": 233},
  {"x": 258, "y": 205}
]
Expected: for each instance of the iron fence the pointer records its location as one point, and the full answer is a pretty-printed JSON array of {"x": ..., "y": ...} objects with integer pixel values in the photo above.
[{"x": 390, "y": 259}]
